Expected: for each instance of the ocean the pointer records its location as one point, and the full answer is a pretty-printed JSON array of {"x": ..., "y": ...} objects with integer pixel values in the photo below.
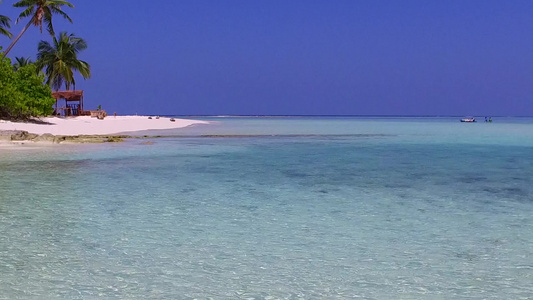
[{"x": 275, "y": 208}]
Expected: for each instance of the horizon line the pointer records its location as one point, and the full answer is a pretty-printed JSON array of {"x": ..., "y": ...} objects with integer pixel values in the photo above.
[{"x": 367, "y": 116}]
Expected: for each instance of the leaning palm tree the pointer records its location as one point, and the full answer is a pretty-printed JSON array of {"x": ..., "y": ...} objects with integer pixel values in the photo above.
[
  {"x": 60, "y": 60},
  {"x": 4, "y": 23},
  {"x": 40, "y": 11},
  {"x": 21, "y": 62}
]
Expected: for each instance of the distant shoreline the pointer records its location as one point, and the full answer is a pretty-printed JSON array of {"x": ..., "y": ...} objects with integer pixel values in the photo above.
[{"x": 342, "y": 116}]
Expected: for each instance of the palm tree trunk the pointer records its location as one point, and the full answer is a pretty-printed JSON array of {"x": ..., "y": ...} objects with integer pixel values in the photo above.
[{"x": 17, "y": 38}]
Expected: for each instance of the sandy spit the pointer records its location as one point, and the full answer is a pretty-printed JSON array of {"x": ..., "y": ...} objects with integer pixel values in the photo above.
[{"x": 86, "y": 125}]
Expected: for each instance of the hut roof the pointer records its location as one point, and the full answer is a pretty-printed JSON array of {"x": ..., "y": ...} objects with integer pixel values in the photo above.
[{"x": 68, "y": 95}]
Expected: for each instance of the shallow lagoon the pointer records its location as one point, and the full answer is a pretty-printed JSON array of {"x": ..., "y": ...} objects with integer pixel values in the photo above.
[{"x": 372, "y": 208}]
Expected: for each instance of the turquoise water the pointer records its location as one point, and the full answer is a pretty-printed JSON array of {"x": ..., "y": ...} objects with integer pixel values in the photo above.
[{"x": 285, "y": 208}]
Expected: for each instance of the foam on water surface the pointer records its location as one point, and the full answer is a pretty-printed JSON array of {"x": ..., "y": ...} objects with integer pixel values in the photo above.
[{"x": 372, "y": 209}]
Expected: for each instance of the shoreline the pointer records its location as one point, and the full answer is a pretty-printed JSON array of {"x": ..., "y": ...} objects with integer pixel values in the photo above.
[
  {"x": 85, "y": 125},
  {"x": 85, "y": 129}
]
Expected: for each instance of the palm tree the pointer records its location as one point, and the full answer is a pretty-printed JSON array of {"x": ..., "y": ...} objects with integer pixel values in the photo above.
[
  {"x": 21, "y": 62},
  {"x": 4, "y": 23},
  {"x": 60, "y": 60},
  {"x": 40, "y": 11}
]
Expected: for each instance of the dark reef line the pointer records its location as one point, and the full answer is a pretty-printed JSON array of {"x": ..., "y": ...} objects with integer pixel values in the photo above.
[{"x": 21, "y": 135}]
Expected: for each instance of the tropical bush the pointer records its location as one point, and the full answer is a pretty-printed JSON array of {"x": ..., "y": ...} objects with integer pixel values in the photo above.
[{"x": 23, "y": 93}]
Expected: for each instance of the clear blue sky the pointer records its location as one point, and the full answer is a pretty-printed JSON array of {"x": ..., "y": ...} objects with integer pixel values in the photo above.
[{"x": 292, "y": 57}]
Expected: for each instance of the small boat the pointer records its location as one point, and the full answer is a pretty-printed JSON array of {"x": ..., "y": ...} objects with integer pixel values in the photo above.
[{"x": 468, "y": 120}]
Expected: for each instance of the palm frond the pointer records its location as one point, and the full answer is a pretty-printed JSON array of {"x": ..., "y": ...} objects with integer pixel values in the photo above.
[
  {"x": 25, "y": 13},
  {"x": 60, "y": 60},
  {"x": 47, "y": 19},
  {"x": 24, "y": 3},
  {"x": 57, "y": 10},
  {"x": 59, "y": 3},
  {"x": 21, "y": 62},
  {"x": 5, "y": 32},
  {"x": 4, "y": 23}
]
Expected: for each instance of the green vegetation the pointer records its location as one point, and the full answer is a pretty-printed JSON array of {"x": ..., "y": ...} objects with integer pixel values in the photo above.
[
  {"x": 26, "y": 86},
  {"x": 60, "y": 60},
  {"x": 21, "y": 62},
  {"x": 4, "y": 23},
  {"x": 22, "y": 92}
]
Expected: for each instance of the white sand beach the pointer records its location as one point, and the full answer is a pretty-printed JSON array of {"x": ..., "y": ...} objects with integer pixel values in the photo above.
[{"x": 86, "y": 125}]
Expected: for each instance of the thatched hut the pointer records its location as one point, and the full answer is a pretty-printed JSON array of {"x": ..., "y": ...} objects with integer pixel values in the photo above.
[{"x": 71, "y": 108}]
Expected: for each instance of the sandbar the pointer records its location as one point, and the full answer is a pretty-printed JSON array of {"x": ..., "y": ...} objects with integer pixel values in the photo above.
[{"x": 85, "y": 125}]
